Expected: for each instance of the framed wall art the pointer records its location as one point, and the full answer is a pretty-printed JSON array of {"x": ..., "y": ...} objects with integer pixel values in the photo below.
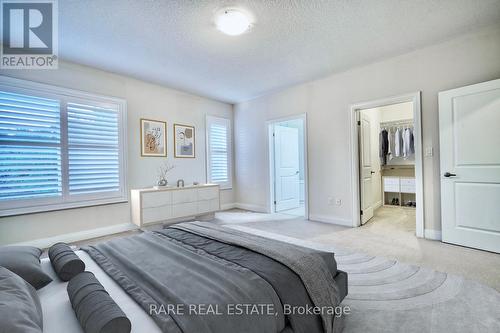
[
  {"x": 153, "y": 138},
  {"x": 184, "y": 141}
]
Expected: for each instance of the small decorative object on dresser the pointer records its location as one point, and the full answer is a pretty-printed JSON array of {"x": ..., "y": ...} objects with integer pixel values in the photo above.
[
  {"x": 184, "y": 141},
  {"x": 154, "y": 205},
  {"x": 162, "y": 174},
  {"x": 153, "y": 138}
]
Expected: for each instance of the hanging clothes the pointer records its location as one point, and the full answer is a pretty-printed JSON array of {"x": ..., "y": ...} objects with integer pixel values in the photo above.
[
  {"x": 412, "y": 142},
  {"x": 398, "y": 143},
  {"x": 390, "y": 143},
  {"x": 383, "y": 147},
  {"x": 407, "y": 139}
]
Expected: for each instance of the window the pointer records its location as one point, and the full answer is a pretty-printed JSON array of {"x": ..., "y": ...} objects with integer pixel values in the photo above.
[
  {"x": 59, "y": 148},
  {"x": 219, "y": 168}
]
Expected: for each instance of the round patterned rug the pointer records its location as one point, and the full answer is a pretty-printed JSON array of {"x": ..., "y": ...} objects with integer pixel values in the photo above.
[{"x": 389, "y": 296}]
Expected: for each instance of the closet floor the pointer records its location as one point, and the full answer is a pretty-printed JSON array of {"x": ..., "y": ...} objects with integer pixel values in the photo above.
[{"x": 393, "y": 219}]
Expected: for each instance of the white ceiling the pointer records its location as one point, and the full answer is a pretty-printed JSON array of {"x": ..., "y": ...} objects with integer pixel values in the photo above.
[{"x": 175, "y": 43}]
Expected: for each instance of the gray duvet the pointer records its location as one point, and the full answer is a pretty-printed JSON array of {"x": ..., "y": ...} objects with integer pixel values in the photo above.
[{"x": 192, "y": 277}]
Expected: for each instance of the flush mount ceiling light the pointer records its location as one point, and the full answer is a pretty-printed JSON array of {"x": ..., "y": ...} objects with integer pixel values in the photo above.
[{"x": 232, "y": 22}]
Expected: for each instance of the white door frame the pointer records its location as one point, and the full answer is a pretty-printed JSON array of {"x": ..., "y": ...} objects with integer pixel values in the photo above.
[
  {"x": 270, "y": 158},
  {"x": 417, "y": 116}
]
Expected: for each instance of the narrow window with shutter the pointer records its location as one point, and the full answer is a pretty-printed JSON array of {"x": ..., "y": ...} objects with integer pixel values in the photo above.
[
  {"x": 59, "y": 148},
  {"x": 219, "y": 158}
]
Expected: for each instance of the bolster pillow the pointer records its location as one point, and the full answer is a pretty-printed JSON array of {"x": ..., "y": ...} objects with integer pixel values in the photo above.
[
  {"x": 95, "y": 309},
  {"x": 65, "y": 262}
]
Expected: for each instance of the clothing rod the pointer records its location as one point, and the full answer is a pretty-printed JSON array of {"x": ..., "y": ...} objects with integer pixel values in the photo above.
[{"x": 397, "y": 122}]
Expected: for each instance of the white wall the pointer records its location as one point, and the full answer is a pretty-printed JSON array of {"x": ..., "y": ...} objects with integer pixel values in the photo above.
[
  {"x": 144, "y": 100},
  {"x": 400, "y": 111},
  {"x": 465, "y": 60}
]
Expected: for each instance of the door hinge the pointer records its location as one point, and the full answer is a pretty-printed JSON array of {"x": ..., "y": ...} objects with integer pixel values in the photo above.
[
  {"x": 273, "y": 135},
  {"x": 359, "y": 122},
  {"x": 275, "y": 202},
  {"x": 361, "y": 212}
]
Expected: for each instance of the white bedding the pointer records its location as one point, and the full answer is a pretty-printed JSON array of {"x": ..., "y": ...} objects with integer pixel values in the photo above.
[{"x": 58, "y": 315}]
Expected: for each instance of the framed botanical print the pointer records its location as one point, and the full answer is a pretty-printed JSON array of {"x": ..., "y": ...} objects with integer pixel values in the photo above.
[
  {"x": 184, "y": 142},
  {"x": 153, "y": 138}
]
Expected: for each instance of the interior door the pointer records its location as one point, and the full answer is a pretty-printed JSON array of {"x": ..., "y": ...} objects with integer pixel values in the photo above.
[
  {"x": 366, "y": 169},
  {"x": 286, "y": 165},
  {"x": 469, "y": 120}
]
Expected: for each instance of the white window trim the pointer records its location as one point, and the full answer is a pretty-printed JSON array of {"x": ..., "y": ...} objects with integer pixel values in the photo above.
[
  {"x": 26, "y": 206},
  {"x": 226, "y": 122}
]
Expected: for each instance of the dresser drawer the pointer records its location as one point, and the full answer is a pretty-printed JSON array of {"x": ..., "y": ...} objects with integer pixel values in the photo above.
[
  {"x": 184, "y": 196},
  {"x": 185, "y": 209},
  {"x": 391, "y": 181},
  {"x": 214, "y": 205},
  {"x": 203, "y": 206},
  {"x": 391, "y": 187},
  {"x": 391, "y": 184},
  {"x": 156, "y": 214},
  {"x": 208, "y": 193},
  {"x": 407, "y": 188},
  {"x": 408, "y": 182},
  {"x": 206, "y": 206},
  {"x": 156, "y": 199}
]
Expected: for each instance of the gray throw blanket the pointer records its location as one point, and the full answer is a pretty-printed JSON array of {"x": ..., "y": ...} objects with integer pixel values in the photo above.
[{"x": 308, "y": 264}]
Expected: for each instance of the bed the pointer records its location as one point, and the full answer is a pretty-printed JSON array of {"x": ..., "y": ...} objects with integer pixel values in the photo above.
[{"x": 200, "y": 277}]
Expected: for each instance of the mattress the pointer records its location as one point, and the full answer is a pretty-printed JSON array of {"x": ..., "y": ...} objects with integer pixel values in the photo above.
[{"x": 58, "y": 315}]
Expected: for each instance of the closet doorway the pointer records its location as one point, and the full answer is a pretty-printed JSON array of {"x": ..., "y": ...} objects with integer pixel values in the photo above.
[
  {"x": 287, "y": 166},
  {"x": 387, "y": 163}
]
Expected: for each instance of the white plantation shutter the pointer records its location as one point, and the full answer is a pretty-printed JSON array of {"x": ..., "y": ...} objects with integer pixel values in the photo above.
[
  {"x": 30, "y": 147},
  {"x": 93, "y": 149},
  {"x": 59, "y": 148},
  {"x": 29, "y": 172},
  {"x": 219, "y": 151}
]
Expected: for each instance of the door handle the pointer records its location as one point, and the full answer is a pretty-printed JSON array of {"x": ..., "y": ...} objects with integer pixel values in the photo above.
[
  {"x": 448, "y": 175},
  {"x": 296, "y": 172},
  {"x": 372, "y": 172}
]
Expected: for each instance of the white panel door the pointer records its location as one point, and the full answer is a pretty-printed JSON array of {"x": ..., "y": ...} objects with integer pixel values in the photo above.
[
  {"x": 366, "y": 169},
  {"x": 469, "y": 125},
  {"x": 286, "y": 165}
]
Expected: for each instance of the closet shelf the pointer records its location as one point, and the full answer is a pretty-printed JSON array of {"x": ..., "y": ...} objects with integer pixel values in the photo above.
[
  {"x": 394, "y": 167},
  {"x": 398, "y": 191}
]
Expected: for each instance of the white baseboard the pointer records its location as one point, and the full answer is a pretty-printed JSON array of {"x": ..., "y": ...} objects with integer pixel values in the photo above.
[
  {"x": 80, "y": 235},
  {"x": 228, "y": 206},
  {"x": 377, "y": 205},
  {"x": 432, "y": 234},
  {"x": 330, "y": 219},
  {"x": 251, "y": 207}
]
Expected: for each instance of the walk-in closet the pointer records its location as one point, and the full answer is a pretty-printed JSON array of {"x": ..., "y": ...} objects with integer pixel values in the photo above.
[{"x": 387, "y": 164}]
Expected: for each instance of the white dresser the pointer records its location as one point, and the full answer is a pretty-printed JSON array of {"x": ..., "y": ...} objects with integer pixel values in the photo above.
[{"x": 152, "y": 205}]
